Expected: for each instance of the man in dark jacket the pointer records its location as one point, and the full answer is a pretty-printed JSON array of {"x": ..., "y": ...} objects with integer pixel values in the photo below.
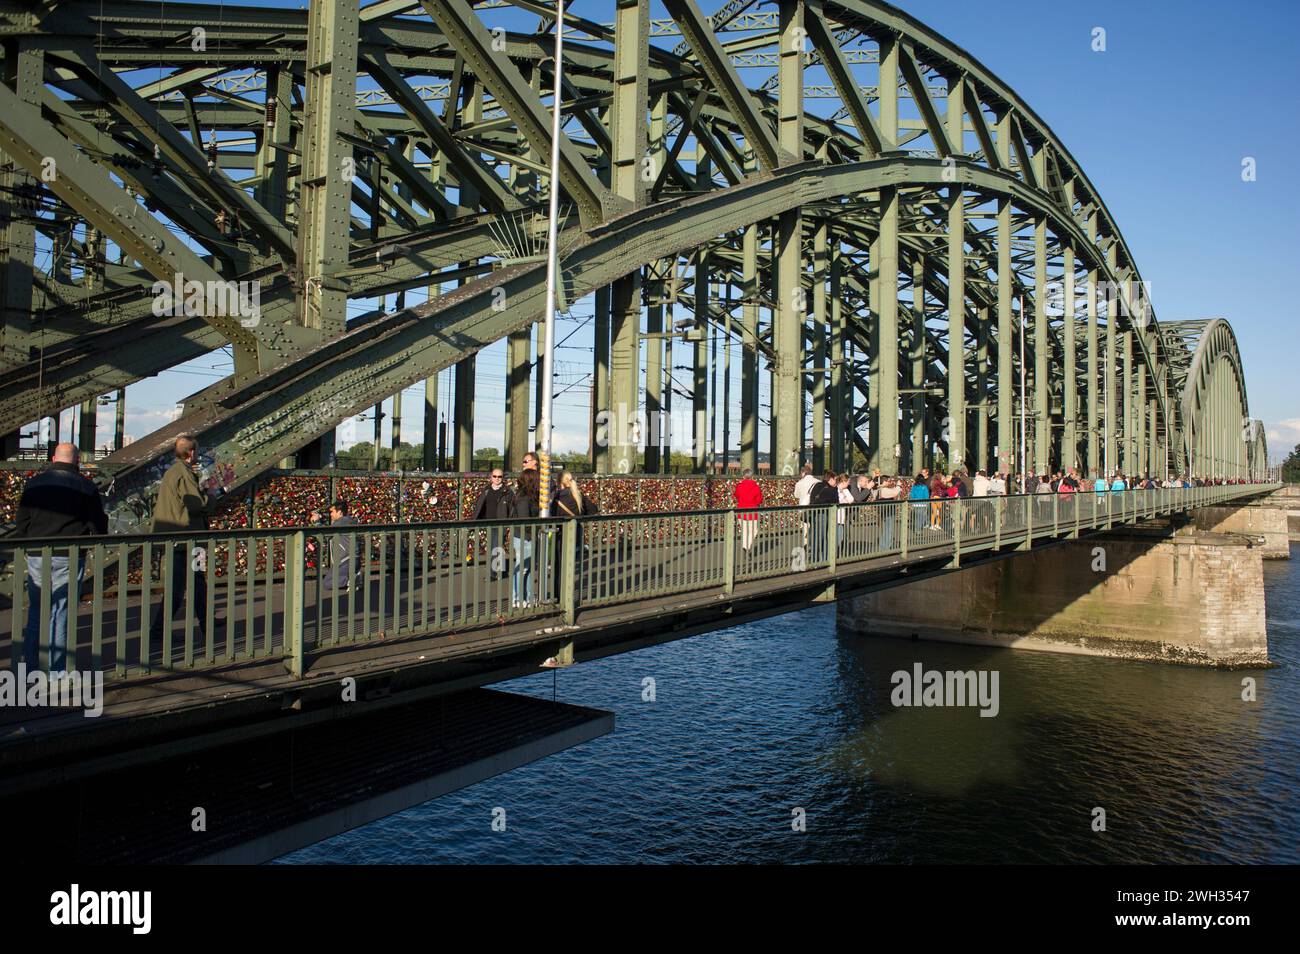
[
  {"x": 497, "y": 502},
  {"x": 58, "y": 502},
  {"x": 824, "y": 494},
  {"x": 183, "y": 505},
  {"x": 342, "y": 548}
]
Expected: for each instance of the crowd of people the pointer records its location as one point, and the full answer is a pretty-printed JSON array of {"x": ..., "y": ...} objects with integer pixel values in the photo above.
[
  {"x": 503, "y": 499},
  {"x": 62, "y": 502},
  {"x": 927, "y": 490}
]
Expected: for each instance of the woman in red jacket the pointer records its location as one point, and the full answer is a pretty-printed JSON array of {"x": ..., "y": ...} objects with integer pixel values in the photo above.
[{"x": 749, "y": 497}]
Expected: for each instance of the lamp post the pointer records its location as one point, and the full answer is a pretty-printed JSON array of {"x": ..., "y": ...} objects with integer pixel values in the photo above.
[{"x": 548, "y": 356}]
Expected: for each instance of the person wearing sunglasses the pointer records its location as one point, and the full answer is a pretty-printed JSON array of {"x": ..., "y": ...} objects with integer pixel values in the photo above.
[{"x": 496, "y": 502}]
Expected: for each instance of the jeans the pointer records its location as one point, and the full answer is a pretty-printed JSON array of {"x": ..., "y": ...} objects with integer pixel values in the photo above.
[
  {"x": 523, "y": 568},
  {"x": 59, "y": 592},
  {"x": 886, "y": 516},
  {"x": 920, "y": 513}
]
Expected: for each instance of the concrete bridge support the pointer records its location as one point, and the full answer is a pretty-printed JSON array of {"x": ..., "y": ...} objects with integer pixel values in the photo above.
[
  {"x": 1194, "y": 597},
  {"x": 1264, "y": 519}
]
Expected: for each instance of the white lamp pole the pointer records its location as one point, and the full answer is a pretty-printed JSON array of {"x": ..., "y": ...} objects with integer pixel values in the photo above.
[{"x": 552, "y": 268}]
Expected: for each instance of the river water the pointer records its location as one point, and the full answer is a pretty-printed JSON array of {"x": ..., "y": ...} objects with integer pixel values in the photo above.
[{"x": 757, "y": 728}]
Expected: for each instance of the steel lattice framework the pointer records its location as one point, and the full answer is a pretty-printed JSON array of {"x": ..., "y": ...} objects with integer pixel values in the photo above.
[{"x": 883, "y": 225}]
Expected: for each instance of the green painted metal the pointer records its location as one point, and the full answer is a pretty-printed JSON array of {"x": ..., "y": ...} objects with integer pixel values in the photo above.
[
  {"x": 429, "y": 579},
  {"x": 669, "y": 153}
]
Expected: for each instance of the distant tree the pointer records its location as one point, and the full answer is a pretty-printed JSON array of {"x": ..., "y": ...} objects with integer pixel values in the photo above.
[
  {"x": 1291, "y": 467},
  {"x": 579, "y": 462},
  {"x": 360, "y": 456},
  {"x": 356, "y": 457},
  {"x": 410, "y": 456}
]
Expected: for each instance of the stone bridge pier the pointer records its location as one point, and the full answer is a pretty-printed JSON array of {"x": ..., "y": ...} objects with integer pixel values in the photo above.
[
  {"x": 1192, "y": 594},
  {"x": 1273, "y": 520}
]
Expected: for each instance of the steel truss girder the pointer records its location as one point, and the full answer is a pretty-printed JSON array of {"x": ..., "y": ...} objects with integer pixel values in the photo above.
[
  {"x": 86, "y": 186},
  {"x": 457, "y": 20},
  {"x": 140, "y": 114},
  {"x": 1023, "y": 147},
  {"x": 251, "y": 428}
]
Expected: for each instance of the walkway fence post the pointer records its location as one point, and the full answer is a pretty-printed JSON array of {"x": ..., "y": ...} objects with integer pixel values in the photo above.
[
  {"x": 1029, "y": 523},
  {"x": 295, "y": 567},
  {"x": 904, "y": 524},
  {"x": 729, "y": 553},
  {"x": 569, "y": 570},
  {"x": 959, "y": 517},
  {"x": 19, "y": 596},
  {"x": 833, "y": 535}
]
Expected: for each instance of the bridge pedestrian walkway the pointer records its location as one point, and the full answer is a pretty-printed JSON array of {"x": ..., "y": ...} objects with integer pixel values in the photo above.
[{"x": 420, "y": 593}]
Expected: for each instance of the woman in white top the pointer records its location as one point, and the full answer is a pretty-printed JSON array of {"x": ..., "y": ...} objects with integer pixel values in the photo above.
[{"x": 845, "y": 497}]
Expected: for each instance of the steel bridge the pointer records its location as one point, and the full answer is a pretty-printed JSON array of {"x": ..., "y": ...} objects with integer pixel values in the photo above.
[{"x": 905, "y": 255}]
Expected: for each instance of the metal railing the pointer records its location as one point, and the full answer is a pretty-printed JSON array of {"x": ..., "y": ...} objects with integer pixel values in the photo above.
[{"x": 136, "y": 605}]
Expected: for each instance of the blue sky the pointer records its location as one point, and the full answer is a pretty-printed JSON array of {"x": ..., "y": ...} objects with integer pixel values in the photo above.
[{"x": 1160, "y": 122}]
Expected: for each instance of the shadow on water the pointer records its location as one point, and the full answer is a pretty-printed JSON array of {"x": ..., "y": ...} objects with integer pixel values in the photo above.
[
  {"x": 1185, "y": 769},
  {"x": 752, "y": 723}
]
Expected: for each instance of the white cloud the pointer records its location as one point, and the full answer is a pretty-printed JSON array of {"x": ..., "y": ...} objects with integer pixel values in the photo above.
[
  {"x": 140, "y": 423},
  {"x": 1285, "y": 431}
]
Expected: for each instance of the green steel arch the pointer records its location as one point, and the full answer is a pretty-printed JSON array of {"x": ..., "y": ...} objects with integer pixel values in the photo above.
[
  {"x": 1219, "y": 437},
  {"x": 895, "y": 244}
]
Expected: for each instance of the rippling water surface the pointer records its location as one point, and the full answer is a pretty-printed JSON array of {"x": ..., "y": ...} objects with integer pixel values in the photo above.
[{"x": 753, "y": 722}]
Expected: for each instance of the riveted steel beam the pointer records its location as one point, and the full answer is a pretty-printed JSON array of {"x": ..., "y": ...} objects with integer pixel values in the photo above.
[
  {"x": 473, "y": 171},
  {"x": 328, "y": 166},
  {"x": 457, "y": 20},
  {"x": 726, "y": 81},
  {"x": 141, "y": 114},
  {"x": 87, "y": 187},
  {"x": 305, "y": 397},
  {"x": 25, "y": 71},
  {"x": 846, "y": 86}
]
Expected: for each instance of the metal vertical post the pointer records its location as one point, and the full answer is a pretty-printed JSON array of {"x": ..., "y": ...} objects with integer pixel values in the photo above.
[
  {"x": 569, "y": 570},
  {"x": 294, "y": 578},
  {"x": 1042, "y": 350},
  {"x": 729, "y": 552},
  {"x": 956, "y": 324}
]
